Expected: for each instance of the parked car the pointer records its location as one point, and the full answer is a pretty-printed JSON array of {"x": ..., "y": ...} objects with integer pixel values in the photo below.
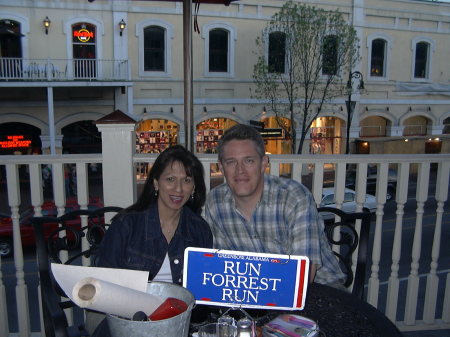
[
  {"x": 371, "y": 185},
  {"x": 349, "y": 204},
  {"x": 26, "y": 227}
]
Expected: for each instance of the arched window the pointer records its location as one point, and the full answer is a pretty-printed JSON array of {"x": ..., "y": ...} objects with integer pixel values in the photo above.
[
  {"x": 421, "y": 58},
  {"x": 154, "y": 49},
  {"x": 415, "y": 126},
  {"x": 218, "y": 50},
  {"x": 84, "y": 50},
  {"x": 378, "y": 58},
  {"x": 446, "y": 129},
  {"x": 10, "y": 44},
  {"x": 329, "y": 55},
  {"x": 277, "y": 52},
  {"x": 422, "y": 48}
]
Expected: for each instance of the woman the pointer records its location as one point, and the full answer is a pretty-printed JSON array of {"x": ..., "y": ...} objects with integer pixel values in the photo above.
[{"x": 153, "y": 233}]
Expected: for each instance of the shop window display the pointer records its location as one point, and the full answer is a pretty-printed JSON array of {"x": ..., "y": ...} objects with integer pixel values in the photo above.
[{"x": 154, "y": 136}]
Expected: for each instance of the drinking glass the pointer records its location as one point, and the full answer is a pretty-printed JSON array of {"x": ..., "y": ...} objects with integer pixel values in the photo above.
[{"x": 217, "y": 330}]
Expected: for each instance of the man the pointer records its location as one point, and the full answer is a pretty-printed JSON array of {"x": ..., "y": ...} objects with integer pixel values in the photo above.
[{"x": 257, "y": 212}]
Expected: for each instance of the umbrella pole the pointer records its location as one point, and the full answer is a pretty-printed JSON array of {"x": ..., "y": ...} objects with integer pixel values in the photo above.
[{"x": 187, "y": 63}]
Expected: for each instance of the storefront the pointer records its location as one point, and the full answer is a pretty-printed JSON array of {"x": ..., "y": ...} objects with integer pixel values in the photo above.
[
  {"x": 209, "y": 132},
  {"x": 275, "y": 138},
  {"x": 326, "y": 137},
  {"x": 155, "y": 135}
]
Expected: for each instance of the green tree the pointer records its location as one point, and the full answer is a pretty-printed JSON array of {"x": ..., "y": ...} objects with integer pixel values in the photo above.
[{"x": 303, "y": 53}]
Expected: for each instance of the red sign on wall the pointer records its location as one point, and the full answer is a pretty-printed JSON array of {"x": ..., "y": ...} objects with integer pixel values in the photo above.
[
  {"x": 83, "y": 35},
  {"x": 15, "y": 142}
]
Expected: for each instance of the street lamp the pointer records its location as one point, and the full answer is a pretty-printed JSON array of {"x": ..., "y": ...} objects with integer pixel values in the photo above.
[{"x": 351, "y": 104}]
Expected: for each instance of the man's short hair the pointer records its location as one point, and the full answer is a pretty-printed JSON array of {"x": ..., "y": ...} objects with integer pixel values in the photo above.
[{"x": 241, "y": 132}]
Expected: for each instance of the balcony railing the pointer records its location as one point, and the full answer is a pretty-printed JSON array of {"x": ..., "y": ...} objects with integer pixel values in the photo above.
[
  {"x": 19, "y": 69},
  {"x": 373, "y": 131}
]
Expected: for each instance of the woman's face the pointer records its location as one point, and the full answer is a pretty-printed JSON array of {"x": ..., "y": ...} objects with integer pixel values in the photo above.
[{"x": 174, "y": 187}]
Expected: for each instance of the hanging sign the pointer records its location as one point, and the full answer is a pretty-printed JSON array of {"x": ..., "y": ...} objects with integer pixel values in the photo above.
[
  {"x": 272, "y": 133},
  {"x": 245, "y": 279}
]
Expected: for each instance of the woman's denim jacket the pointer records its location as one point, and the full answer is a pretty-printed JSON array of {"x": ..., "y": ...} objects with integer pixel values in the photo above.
[{"x": 135, "y": 241}]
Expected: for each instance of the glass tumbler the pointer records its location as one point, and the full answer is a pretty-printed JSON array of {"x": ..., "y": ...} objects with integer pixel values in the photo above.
[{"x": 217, "y": 330}]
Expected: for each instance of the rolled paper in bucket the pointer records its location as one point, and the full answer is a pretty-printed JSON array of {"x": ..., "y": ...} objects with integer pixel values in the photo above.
[
  {"x": 113, "y": 299},
  {"x": 176, "y": 326}
]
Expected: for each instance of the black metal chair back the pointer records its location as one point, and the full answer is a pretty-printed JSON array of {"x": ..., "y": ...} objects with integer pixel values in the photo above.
[
  {"x": 349, "y": 241},
  {"x": 53, "y": 236}
]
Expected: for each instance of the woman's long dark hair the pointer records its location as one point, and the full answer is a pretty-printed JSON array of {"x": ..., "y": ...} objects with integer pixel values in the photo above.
[{"x": 194, "y": 169}]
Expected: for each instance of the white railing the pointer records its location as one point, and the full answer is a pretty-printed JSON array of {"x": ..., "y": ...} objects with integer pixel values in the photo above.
[
  {"x": 19, "y": 189},
  {"x": 19, "y": 69},
  {"x": 373, "y": 131},
  {"x": 415, "y": 130}
]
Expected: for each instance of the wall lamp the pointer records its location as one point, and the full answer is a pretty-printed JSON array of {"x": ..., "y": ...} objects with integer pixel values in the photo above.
[
  {"x": 122, "y": 25},
  {"x": 264, "y": 110},
  {"x": 233, "y": 109},
  {"x": 204, "y": 109},
  {"x": 387, "y": 108},
  {"x": 171, "y": 110},
  {"x": 145, "y": 110},
  {"x": 46, "y": 23}
]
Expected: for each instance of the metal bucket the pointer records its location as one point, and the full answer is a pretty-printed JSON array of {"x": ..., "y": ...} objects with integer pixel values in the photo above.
[{"x": 177, "y": 326}]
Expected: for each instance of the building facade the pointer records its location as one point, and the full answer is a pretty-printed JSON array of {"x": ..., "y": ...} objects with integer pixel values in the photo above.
[{"x": 67, "y": 63}]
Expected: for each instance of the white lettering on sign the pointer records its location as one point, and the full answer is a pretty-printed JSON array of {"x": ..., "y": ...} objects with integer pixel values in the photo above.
[{"x": 241, "y": 281}]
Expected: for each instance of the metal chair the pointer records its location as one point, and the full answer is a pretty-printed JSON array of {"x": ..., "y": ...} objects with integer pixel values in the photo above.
[
  {"x": 55, "y": 235},
  {"x": 349, "y": 241}
]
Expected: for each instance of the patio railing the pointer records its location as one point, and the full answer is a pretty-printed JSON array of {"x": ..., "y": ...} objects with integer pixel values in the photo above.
[{"x": 415, "y": 295}]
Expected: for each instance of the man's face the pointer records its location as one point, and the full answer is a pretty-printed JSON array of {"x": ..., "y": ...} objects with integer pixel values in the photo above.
[{"x": 243, "y": 168}]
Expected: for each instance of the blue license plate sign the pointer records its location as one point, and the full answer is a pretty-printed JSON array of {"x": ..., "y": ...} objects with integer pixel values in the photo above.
[{"x": 245, "y": 279}]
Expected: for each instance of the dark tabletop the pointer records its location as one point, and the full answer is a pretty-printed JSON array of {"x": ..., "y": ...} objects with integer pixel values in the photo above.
[{"x": 338, "y": 314}]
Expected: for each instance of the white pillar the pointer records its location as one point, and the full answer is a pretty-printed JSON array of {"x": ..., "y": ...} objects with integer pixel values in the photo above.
[
  {"x": 118, "y": 147},
  {"x": 46, "y": 141},
  {"x": 436, "y": 129},
  {"x": 393, "y": 131},
  {"x": 51, "y": 120},
  {"x": 354, "y": 131}
]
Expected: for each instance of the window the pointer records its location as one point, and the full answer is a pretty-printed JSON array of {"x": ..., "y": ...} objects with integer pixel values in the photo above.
[
  {"x": 154, "y": 49},
  {"x": 277, "y": 52},
  {"x": 349, "y": 197},
  {"x": 220, "y": 41},
  {"x": 84, "y": 37},
  {"x": 422, "y": 48},
  {"x": 378, "y": 58},
  {"x": 421, "y": 60},
  {"x": 329, "y": 55},
  {"x": 10, "y": 44},
  {"x": 218, "y": 50}
]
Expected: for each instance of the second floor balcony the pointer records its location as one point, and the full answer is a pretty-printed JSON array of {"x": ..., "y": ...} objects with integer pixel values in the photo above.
[{"x": 54, "y": 70}]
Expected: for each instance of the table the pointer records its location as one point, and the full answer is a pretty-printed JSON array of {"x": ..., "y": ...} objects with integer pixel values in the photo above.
[{"x": 338, "y": 314}]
